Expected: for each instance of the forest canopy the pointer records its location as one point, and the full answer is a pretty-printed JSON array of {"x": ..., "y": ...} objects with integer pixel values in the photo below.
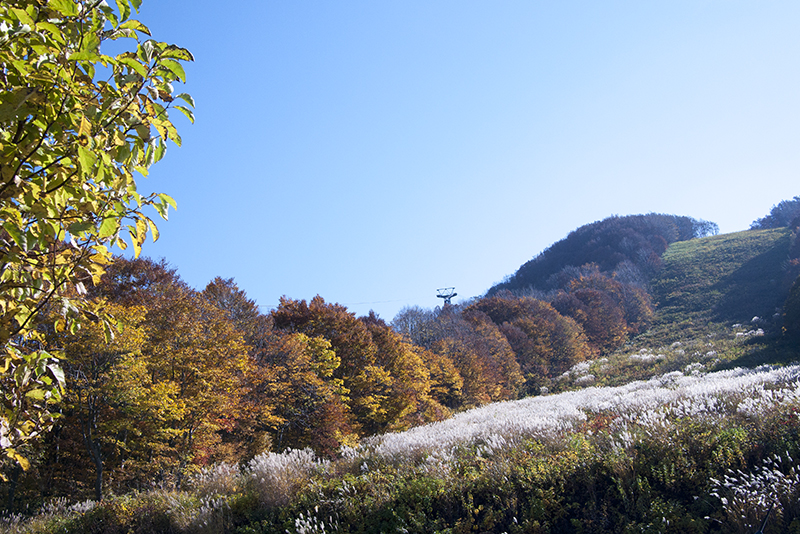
[{"x": 785, "y": 213}]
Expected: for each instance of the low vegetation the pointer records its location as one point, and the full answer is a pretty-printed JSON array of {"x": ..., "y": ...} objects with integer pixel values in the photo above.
[
  {"x": 683, "y": 452},
  {"x": 538, "y": 418}
]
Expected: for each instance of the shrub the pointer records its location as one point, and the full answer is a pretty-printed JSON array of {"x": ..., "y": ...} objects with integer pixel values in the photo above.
[
  {"x": 220, "y": 479},
  {"x": 277, "y": 477}
]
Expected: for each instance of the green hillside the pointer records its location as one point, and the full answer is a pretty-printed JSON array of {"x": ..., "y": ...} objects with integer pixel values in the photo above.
[
  {"x": 635, "y": 241},
  {"x": 723, "y": 278},
  {"x": 708, "y": 285},
  {"x": 706, "y": 295}
]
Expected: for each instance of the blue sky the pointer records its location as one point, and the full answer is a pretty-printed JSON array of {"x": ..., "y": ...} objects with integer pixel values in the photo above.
[{"x": 372, "y": 152}]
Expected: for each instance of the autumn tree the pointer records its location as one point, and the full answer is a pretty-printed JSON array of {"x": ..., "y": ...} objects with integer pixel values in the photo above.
[
  {"x": 469, "y": 360},
  {"x": 608, "y": 310},
  {"x": 422, "y": 328},
  {"x": 597, "y": 312},
  {"x": 485, "y": 361},
  {"x": 112, "y": 410},
  {"x": 363, "y": 377},
  {"x": 259, "y": 418},
  {"x": 417, "y": 324},
  {"x": 781, "y": 215},
  {"x": 638, "y": 239},
  {"x": 545, "y": 342},
  {"x": 634, "y": 301},
  {"x": 311, "y": 403},
  {"x": 242, "y": 311},
  {"x": 410, "y": 402},
  {"x": 447, "y": 385},
  {"x": 75, "y": 126},
  {"x": 191, "y": 346}
]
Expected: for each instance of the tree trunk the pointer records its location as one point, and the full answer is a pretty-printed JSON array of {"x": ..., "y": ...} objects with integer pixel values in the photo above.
[
  {"x": 12, "y": 487},
  {"x": 88, "y": 426},
  {"x": 98, "y": 465}
]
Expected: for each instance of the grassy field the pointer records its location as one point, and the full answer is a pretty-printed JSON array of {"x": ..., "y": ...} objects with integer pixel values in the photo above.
[{"x": 707, "y": 296}]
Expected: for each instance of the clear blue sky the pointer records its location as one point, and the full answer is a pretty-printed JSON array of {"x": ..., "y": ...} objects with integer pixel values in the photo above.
[{"x": 372, "y": 152}]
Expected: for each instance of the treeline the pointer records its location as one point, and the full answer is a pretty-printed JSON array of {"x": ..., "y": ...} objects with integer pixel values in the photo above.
[
  {"x": 784, "y": 214},
  {"x": 629, "y": 246},
  {"x": 508, "y": 346},
  {"x": 191, "y": 378}
]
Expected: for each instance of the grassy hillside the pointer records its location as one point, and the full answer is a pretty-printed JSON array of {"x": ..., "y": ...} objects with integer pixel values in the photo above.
[
  {"x": 723, "y": 278},
  {"x": 635, "y": 241},
  {"x": 707, "y": 295}
]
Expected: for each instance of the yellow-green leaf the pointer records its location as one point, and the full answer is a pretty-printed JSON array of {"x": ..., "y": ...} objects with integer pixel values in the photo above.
[
  {"x": 175, "y": 67},
  {"x": 86, "y": 158},
  {"x": 176, "y": 52},
  {"x": 65, "y": 7},
  {"x": 168, "y": 199},
  {"x": 134, "y": 24},
  {"x": 153, "y": 228},
  {"x": 186, "y": 111},
  {"x": 186, "y": 97},
  {"x": 108, "y": 227},
  {"x": 85, "y": 128},
  {"x": 21, "y": 460},
  {"x": 133, "y": 64},
  {"x": 124, "y": 7}
]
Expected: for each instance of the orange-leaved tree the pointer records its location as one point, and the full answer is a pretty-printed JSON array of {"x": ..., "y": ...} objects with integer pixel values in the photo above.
[
  {"x": 545, "y": 342},
  {"x": 192, "y": 347},
  {"x": 360, "y": 372},
  {"x": 310, "y": 402},
  {"x": 409, "y": 385},
  {"x": 114, "y": 416}
]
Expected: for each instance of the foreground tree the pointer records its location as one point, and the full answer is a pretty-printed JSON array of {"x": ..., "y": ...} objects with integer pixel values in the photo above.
[{"x": 72, "y": 135}]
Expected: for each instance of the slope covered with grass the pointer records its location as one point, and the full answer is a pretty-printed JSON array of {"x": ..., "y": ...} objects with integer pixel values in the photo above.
[{"x": 723, "y": 278}]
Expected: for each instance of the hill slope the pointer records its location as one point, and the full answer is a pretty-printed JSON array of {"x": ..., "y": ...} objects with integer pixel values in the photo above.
[
  {"x": 645, "y": 455},
  {"x": 723, "y": 279},
  {"x": 634, "y": 240}
]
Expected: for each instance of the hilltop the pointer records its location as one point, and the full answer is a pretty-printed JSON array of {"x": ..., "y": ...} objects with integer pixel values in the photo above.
[
  {"x": 726, "y": 278},
  {"x": 630, "y": 245}
]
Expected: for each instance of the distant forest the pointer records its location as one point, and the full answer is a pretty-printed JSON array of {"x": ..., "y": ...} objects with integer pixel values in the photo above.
[
  {"x": 784, "y": 214},
  {"x": 194, "y": 378}
]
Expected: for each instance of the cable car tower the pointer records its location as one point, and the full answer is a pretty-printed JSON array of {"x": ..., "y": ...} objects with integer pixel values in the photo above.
[{"x": 446, "y": 293}]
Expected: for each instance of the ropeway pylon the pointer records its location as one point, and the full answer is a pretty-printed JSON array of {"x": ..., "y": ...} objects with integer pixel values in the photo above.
[{"x": 446, "y": 293}]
